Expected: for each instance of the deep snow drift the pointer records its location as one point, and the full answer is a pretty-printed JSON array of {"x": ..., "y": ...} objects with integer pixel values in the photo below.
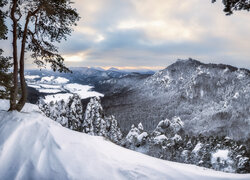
[{"x": 34, "y": 147}]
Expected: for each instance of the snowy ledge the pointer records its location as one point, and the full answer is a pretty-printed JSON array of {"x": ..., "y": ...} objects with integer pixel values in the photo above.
[{"x": 33, "y": 146}]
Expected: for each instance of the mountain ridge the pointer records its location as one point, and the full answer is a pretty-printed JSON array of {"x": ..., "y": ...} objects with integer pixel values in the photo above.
[{"x": 210, "y": 98}]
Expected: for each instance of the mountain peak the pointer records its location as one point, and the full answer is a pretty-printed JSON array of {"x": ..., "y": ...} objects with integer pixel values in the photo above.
[
  {"x": 113, "y": 69},
  {"x": 188, "y": 61}
]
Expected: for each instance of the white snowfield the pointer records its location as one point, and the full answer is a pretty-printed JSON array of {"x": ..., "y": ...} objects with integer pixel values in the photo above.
[
  {"x": 60, "y": 89},
  {"x": 34, "y": 147},
  {"x": 84, "y": 91}
]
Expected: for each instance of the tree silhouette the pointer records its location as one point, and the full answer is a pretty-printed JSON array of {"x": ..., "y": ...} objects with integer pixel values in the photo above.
[
  {"x": 5, "y": 77},
  {"x": 38, "y": 24},
  {"x": 3, "y": 27},
  {"x": 235, "y": 5}
]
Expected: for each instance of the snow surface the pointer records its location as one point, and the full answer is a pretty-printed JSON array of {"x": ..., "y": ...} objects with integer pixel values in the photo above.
[
  {"x": 49, "y": 86},
  {"x": 34, "y": 86},
  {"x": 33, "y": 146},
  {"x": 31, "y": 77},
  {"x": 197, "y": 147},
  {"x": 58, "y": 88},
  {"x": 84, "y": 91},
  {"x": 57, "y": 97},
  {"x": 2, "y": 88},
  {"x": 60, "y": 80},
  {"x": 222, "y": 154},
  {"x": 47, "y": 79},
  {"x": 49, "y": 90}
]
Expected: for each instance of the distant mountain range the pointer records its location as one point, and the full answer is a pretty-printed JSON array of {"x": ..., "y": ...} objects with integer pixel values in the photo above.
[{"x": 210, "y": 98}]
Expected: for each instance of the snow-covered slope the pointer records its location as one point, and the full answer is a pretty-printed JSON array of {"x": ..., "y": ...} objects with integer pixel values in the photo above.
[{"x": 35, "y": 147}]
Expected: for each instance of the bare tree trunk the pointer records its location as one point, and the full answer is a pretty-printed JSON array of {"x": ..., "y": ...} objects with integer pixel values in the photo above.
[
  {"x": 14, "y": 91},
  {"x": 23, "y": 99}
]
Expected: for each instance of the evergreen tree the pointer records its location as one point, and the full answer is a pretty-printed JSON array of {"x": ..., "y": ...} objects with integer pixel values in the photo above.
[
  {"x": 62, "y": 115},
  {"x": 5, "y": 77},
  {"x": 94, "y": 123},
  {"x": 235, "y": 5},
  {"x": 114, "y": 132},
  {"x": 169, "y": 128},
  {"x": 3, "y": 14},
  {"x": 75, "y": 113},
  {"x": 136, "y": 136},
  {"x": 70, "y": 115},
  {"x": 37, "y": 25},
  {"x": 131, "y": 138}
]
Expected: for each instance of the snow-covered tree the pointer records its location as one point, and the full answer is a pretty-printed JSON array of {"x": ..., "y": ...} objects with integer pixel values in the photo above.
[
  {"x": 74, "y": 112},
  {"x": 94, "y": 122},
  {"x": 169, "y": 128},
  {"x": 162, "y": 128},
  {"x": 167, "y": 141},
  {"x": 62, "y": 113},
  {"x": 69, "y": 114},
  {"x": 136, "y": 136},
  {"x": 114, "y": 132},
  {"x": 176, "y": 124},
  {"x": 5, "y": 76}
]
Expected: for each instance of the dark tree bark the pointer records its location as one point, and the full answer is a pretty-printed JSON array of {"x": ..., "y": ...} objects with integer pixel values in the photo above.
[
  {"x": 23, "y": 99},
  {"x": 14, "y": 91}
]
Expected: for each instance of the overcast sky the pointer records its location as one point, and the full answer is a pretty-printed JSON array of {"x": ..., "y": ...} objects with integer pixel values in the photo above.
[{"x": 154, "y": 33}]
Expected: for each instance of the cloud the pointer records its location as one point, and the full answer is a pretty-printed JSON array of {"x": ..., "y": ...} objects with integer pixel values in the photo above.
[
  {"x": 79, "y": 57},
  {"x": 137, "y": 33}
]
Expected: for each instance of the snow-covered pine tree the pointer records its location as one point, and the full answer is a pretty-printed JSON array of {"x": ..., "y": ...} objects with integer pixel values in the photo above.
[
  {"x": 62, "y": 115},
  {"x": 55, "y": 111},
  {"x": 162, "y": 128},
  {"x": 176, "y": 124},
  {"x": 94, "y": 123},
  {"x": 53, "y": 114},
  {"x": 114, "y": 132},
  {"x": 169, "y": 128},
  {"x": 140, "y": 127},
  {"x": 5, "y": 77},
  {"x": 74, "y": 113},
  {"x": 136, "y": 136},
  {"x": 165, "y": 140},
  {"x": 131, "y": 138},
  {"x": 41, "y": 104},
  {"x": 70, "y": 115}
]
